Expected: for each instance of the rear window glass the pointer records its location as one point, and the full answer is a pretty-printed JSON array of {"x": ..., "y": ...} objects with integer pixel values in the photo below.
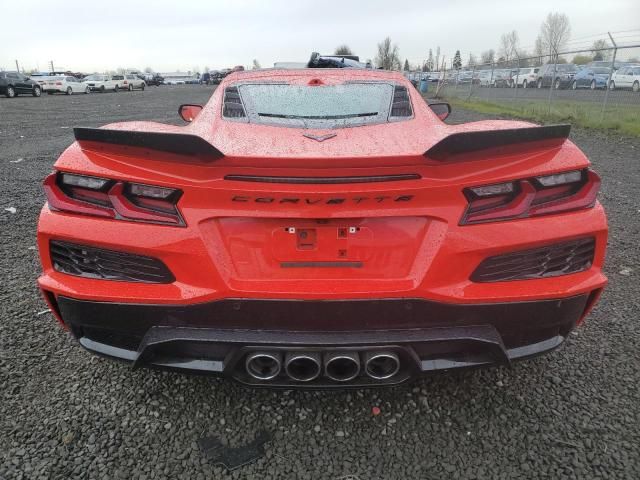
[
  {"x": 600, "y": 70},
  {"x": 118, "y": 77},
  {"x": 331, "y": 106}
]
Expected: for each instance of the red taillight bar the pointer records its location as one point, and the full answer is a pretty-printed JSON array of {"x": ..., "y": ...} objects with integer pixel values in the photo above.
[
  {"x": 111, "y": 200},
  {"x": 561, "y": 192},
  {"x": 127, "y": 209},
  {"x": 58, "y": 200}
]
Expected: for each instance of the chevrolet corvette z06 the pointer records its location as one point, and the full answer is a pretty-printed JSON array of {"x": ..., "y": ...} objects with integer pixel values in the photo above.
[{"x": 321, "y": 228}]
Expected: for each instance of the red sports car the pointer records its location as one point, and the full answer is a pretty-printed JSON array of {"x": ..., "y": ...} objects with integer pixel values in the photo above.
[{"x": 321, "y": 228}]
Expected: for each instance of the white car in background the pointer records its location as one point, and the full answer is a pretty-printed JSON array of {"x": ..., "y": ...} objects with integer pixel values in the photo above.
[
  {"x": 626, "y": 77},
  {"x": 136, "y": 81},
  {"x": 100, "y": 83},
  {"x": 485, "y": 78},
  {"x": 129, "y": 81},
  {"x": 525, "y": 77},
  {"x": 63, "y": 84}
]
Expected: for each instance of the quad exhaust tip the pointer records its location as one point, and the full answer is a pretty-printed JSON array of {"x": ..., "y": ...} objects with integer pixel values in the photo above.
[
  {"x": 303, "y": 366},
  {"x": 342, "y": 366},
  {"x": 264, "y": 365},
  {"x": 381, "y": 365},
  {"x": 339, "y": 366}
]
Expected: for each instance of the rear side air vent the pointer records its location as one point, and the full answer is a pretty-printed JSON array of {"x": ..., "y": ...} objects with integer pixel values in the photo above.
[
  {"x": 401, "y": 104},
  {"x": 232, "y": 107},
  {"x": 543, "y": 262},
  {"x": 99, "y": 263}
]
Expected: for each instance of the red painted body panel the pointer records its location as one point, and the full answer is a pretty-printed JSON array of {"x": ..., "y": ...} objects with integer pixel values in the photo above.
[{"x": 405, "y": 235}]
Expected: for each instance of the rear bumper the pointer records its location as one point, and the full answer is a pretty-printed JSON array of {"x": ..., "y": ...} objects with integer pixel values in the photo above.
[{"x": 216, "y": 337}]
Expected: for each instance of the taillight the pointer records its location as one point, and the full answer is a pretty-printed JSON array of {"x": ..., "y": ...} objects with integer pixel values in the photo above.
[
  {"x": 104, "y": 197},
  {"x": 58, "y": 83},
  {"x": 561, "y": 192}
]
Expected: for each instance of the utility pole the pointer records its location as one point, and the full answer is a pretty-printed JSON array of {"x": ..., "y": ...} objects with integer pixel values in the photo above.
[
  {"x": 611, "y": 69},
  {"x": 17, "y": 67},
  {"x": 52, "y": 69}
]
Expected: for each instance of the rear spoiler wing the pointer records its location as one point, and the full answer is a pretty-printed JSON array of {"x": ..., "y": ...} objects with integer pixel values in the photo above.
[
  {"x": 470, "y": 142},
  {"x": 178, "y": 143}
]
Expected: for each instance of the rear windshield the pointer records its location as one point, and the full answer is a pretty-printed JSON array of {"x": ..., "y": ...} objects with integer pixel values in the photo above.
[
  {"x": 566, "y": 68},
  {"x": 601, "y": 70},
  {"x": 118, "y": 77},
  {"x": 331, "y": 106},
  {"x": 95, "y": 77}
]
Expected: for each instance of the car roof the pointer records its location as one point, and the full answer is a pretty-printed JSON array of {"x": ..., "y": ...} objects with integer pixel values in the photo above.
[{"x": 320, "y": 73}]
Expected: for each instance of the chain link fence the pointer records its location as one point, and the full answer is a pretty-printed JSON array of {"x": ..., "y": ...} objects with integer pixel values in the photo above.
[{"x": 605, "y": 92}]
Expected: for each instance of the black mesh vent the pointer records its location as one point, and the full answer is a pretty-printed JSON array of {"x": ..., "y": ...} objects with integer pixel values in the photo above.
[
  {"x": 232, "y": 107},
  {"x": 99, "y": 263},
  {"x": 401, "y": 105},
  {"x": 549, "y": 261}
]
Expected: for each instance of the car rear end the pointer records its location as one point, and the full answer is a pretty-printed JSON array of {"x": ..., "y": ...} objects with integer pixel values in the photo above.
[
  {"x": 313, "y": 255},
  {"x": 54, "y": 84}
]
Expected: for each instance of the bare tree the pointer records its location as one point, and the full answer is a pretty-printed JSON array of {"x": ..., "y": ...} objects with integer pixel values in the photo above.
[
  {"x": 599, "y": 50},
  {"x": 555, "y": 32},
  {"x": 388, "y": 57},
  {"x": 539, "y": 49},
  {"x": 438, "y": 57},
  {"x": 343, "y": 50},
  {"x": 148, "y": 70},
  {"x": 488, "y": 56},
  {"x": 472, "y": 61},
  {"x": 256, "y": 64},
  {"x": 509, "y": 43}
]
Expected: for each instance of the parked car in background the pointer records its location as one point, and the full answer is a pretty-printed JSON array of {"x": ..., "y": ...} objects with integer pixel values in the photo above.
[
  {"x": 152, "y": 79},
  {"x": 330, "y": 61},
  {"x": 132, "y": 82},
  {"x": 591, "y": 77},
  {"x": 626, "y": 77},
  {"x": 501, "y": 78},
  {"x": 465, "y": 76},
  {"x": 556, "y": 76},
  {"x": 64, "y": 84},
  {"x": 100, "y": 83},
  {"x": 525, "y": 77},
  {"x": 485, "y": 78},
  {"x": 39, "y": 78},
  {"x": 13, "y": 84}
]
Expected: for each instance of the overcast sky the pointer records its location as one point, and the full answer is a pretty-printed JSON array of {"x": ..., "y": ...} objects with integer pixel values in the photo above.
[{"x": 169, "y": 35}]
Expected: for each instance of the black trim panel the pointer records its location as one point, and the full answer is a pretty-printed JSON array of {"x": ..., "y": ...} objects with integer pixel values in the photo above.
[
  {"x": 180, "y": 143},
  {"x": 467, "y": 142},
  {"x": 313, "y": 315},
  {"x": 323, "y": 180}
]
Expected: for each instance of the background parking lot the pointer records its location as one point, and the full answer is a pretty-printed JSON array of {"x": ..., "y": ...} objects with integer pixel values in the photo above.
[{"x": 67, "y": 414}]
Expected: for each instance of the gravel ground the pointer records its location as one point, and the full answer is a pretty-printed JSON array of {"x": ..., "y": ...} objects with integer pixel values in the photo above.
[{"x": 66, "y": 414}]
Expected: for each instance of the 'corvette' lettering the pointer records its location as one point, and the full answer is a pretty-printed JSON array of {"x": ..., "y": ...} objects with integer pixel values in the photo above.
[{"x": 322, "y": 201}]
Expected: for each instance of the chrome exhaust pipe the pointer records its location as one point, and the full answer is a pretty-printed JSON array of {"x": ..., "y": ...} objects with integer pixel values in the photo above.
[
  {"x": 342, "y": 366},
  {"x": 381, "y": 365},
  {"x": 263, "y": 365},
  {"x": 302, "y": 366}
]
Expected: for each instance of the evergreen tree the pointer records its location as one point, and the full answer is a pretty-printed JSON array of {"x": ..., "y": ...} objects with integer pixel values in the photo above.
[
  {"x": 406, "y": 65},
  {"x": 457, "y": 61},
  {"x": 430, "y": 62}
]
